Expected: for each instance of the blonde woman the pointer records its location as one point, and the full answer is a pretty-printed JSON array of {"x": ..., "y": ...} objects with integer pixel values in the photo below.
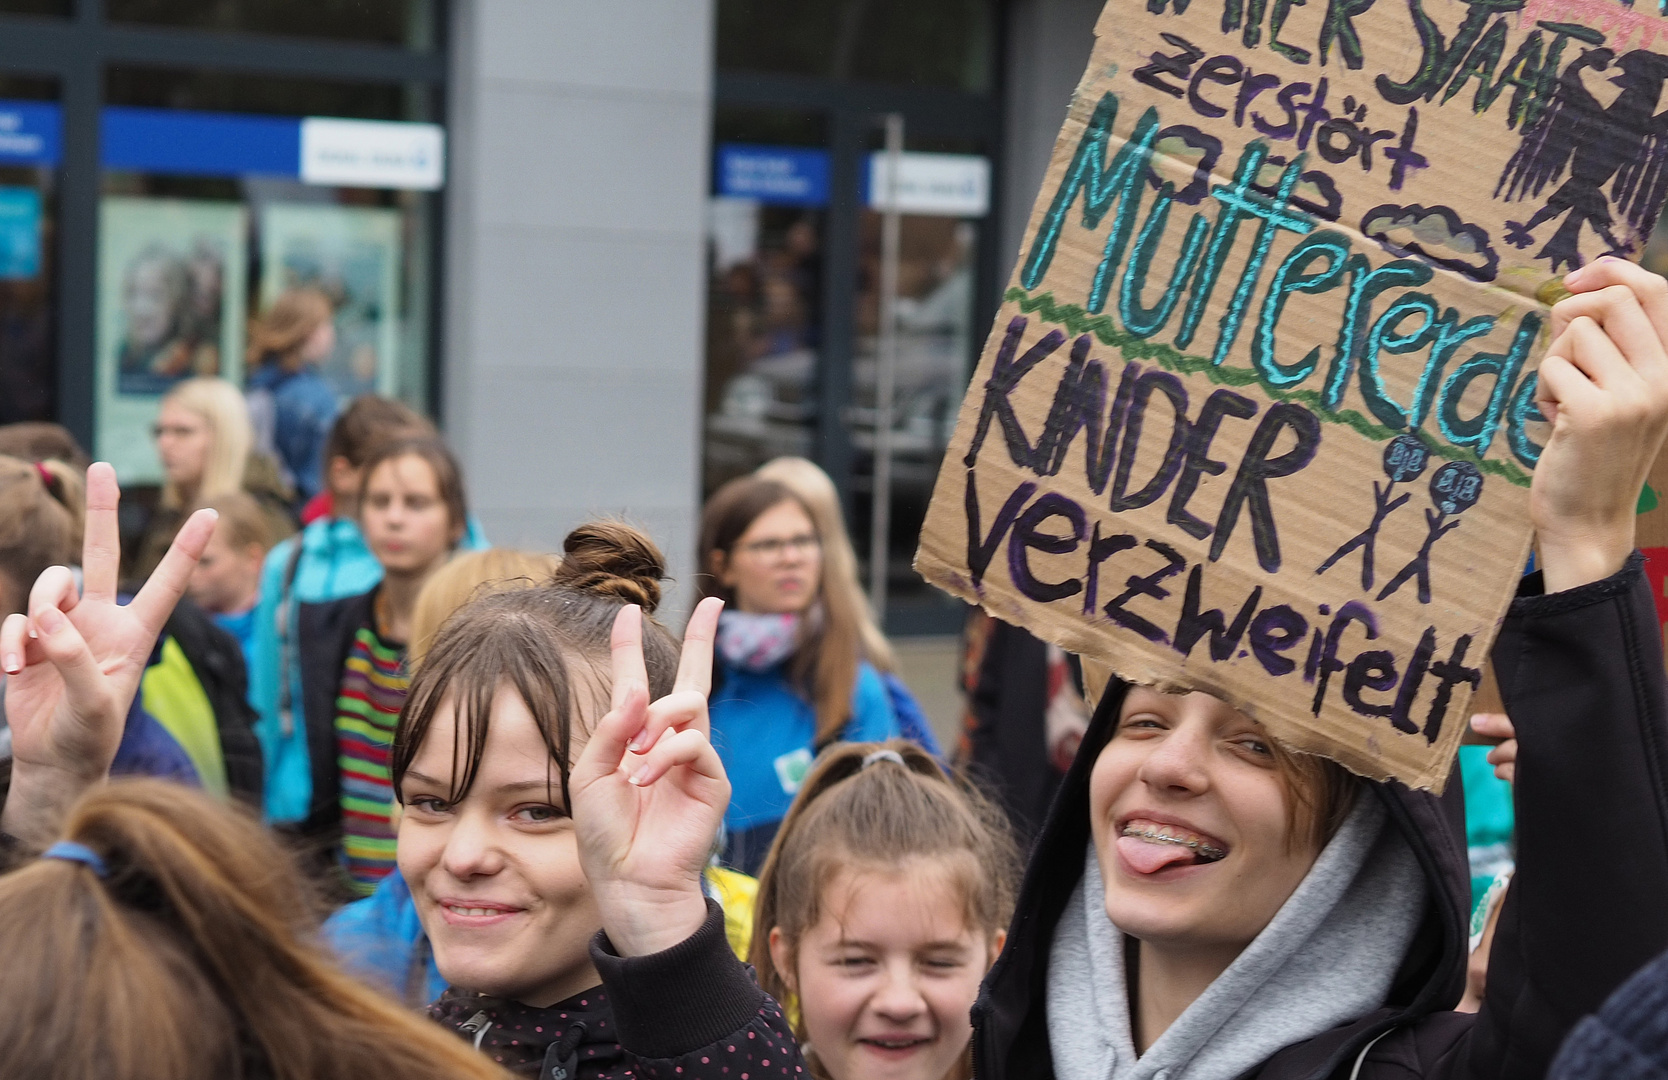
[
  {"x": 204, "y": 440},
  {"x": 844, "y": 593}
]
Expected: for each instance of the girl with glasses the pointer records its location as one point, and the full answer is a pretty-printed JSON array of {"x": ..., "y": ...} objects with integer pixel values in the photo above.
[{"x": 789, "y": 676}]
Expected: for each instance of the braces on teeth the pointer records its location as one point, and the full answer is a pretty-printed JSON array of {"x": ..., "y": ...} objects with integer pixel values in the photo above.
[{"x": 1208, "y": 852}]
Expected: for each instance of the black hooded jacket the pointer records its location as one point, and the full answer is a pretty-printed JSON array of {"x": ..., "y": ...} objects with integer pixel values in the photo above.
[{"x": 1582, "y": 675}]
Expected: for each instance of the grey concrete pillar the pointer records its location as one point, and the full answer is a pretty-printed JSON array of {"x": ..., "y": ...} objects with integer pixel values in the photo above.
[{"x": 574, "y": 264}]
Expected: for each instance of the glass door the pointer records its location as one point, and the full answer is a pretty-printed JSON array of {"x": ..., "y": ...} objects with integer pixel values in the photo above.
[
  {"x": 943, "y": 197},
  {"x": 767, "y": 233}
]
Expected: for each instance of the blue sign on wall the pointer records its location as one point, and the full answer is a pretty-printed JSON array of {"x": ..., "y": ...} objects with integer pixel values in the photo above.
[
  {"x": 777, "y": 175},
  {"x": 20, "y": 233},
  {"x": 199, "y": 143},
  {"x": 30, "y": 132}
]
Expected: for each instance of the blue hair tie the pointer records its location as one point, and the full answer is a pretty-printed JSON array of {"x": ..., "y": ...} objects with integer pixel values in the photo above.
[{"x": 70, "y": 851}]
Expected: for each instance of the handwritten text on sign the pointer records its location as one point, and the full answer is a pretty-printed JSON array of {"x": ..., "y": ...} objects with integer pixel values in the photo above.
[{"x": 1257, "y": 414}]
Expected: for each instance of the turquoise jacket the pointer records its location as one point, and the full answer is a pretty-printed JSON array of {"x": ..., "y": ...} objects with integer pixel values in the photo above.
[
  {"x": 334, "y": 563},
  {"x": 764, "y": 732}
]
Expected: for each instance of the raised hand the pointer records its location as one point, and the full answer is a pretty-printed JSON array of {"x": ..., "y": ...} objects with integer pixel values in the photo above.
[
  {"x": 649, "y": 792},
  {"x": 73, "y": 663},
  {"x": 1604, "y": 386},
  {"x": 1504, "y": 755}
]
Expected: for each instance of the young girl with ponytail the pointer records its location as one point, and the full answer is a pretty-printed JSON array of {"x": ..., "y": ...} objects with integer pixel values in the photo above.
[{"x": 883, "y": 902}]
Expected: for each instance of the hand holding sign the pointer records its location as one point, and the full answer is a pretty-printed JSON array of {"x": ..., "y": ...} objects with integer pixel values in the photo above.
[
  {"x": 649, "y": 792},
  {"x": 1604, "y": 387},
  {"x": 73, "y": 663}
]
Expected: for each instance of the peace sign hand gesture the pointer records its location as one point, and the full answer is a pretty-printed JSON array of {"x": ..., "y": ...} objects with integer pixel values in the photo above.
[
  {"x": 649, "y": 792},
  {"x": 73, "y": 663}
]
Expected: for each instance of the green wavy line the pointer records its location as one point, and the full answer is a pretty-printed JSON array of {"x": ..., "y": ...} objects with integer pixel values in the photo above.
[{"x": 1077, "y": 321}]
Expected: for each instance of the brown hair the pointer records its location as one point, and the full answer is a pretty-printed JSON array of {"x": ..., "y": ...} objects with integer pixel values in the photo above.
[
  {"x": 41, "y": 508},
  {"x": 37, "y": 440},
  {"x": 530, "y": 639},
  {"x": 843, "y": 593},
  {"x": 244, "y": 519},
  {"x": 368, "y": 420},
  {"x": 448, "y": 475},
  {"x": 470, "y": 575},
  {"x": 860, "y": 810},
  {"x": 1322, "y": 793},
  {"x": 286, "y": 326},
  {"x": 824, "y": 666},
  {"x": 193, "y": 959}
]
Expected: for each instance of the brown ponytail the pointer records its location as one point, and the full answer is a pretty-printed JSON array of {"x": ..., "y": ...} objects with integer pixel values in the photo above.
[
  {"x": 879, "y": 805},
  {"x": 531, "y": 640},
  {"x": 41, "y": 514},
  {"x": 190, "y": 959}
]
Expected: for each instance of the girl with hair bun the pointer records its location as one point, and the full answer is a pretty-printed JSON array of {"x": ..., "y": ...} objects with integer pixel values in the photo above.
[
  {"x": 556, "y": 825},
  {"x": 165, "y": 938},
  {"x": 884, "y": 901}
]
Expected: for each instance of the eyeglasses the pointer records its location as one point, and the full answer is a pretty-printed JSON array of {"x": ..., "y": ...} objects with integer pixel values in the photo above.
[
  {"x": 804, "y": 544},
  {"x": 178, "y": 431}
]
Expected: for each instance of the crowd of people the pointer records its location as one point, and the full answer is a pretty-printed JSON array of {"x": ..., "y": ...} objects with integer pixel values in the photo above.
[{"x": 305, "y": 779}]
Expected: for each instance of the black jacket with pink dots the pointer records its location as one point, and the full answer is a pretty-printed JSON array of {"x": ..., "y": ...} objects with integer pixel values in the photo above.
[{"x": 692, "y": 1012}]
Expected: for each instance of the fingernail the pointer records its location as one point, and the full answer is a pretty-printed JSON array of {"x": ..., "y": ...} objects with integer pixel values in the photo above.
[
  {"x": 636, "y": 743},
  {"x": 640, "y": 777},
  {"x": 50, "y": 620},
  {"x": 1477, "y": 722},
  {"x": 14, "y": 663}
]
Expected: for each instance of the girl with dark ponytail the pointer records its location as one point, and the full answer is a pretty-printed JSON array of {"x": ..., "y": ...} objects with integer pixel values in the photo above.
[
  {"x": 883, "y": 902},
  {"x": 167, "y": 938},
  {"x": 555, "y": 827}
]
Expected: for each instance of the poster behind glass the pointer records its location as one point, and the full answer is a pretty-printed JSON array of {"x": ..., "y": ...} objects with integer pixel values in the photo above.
[
  {"x": 170, "y": 307},
  {"x": 353, "y": 254}
]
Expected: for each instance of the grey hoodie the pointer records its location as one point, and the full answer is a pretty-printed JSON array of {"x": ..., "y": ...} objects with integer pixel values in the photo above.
[{"x": 1327, "y": 957}]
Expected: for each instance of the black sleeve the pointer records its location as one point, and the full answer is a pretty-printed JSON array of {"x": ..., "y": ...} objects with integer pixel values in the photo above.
[
  {"x": 1582, "y": 676},
  {"x": 694, "y": 1011}
]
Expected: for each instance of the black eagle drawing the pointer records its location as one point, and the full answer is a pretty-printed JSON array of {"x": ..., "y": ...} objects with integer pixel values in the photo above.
[{"x": 1624, "y": 146}]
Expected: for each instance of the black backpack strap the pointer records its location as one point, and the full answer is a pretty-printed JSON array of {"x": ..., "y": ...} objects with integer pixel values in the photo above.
[{"x": 289, "y": 648}]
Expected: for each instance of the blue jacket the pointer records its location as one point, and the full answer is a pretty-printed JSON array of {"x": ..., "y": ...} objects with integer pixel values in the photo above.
[
  {"x": 333, "y": 563},
  {"x": 304, "y": 405},
  {"x": 381, "y": 940},
  {"x": 765, "y": 733}
]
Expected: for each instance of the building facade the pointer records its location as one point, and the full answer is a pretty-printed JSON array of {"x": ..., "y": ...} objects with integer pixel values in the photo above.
[{"x": 622, "y": 251}]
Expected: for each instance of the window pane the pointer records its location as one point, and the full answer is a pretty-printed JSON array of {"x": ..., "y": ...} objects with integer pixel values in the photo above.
[
  {"x": 187, "y": 260},
  {"x": 937, "y": 338},
  {"x": 410, "y": 23},
  {"x": 28, "y": 274},
  {"x": 942, "y": 43},
  {"x": 220, "y": 91},
  {"x": 766, "y": 233}
]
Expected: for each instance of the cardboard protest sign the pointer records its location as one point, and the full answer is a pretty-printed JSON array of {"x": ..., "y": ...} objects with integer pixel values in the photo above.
[{"x": 1257, "y": 415}]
